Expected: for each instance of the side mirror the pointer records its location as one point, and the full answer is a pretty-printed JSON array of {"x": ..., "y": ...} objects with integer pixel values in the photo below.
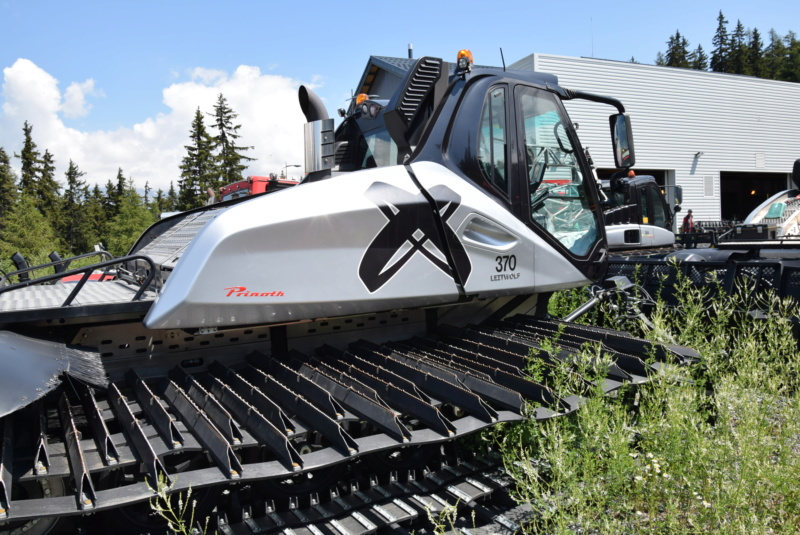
[
  {"x": 678, "y": 195},
  {"x": 622, "y": 140}
]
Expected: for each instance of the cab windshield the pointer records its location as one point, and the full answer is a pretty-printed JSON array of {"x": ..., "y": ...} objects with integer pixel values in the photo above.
[{"x": 559, "y": 200}]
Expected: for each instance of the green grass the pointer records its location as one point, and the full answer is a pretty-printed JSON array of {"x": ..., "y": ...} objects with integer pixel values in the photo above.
[{"x": 709, "y": 448}]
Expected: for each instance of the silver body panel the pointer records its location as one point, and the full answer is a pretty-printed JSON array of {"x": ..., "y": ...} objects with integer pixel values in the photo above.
[
  {"x": 649, "y": 236},
  {"x": 327, "y": 249},
  {"x": 788, "y": 224}
]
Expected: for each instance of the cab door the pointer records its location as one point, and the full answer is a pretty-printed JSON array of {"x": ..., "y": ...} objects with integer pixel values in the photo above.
[{"x": 561, "y": 202}]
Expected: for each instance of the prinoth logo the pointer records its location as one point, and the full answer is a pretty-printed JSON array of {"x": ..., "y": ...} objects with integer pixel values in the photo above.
[
  {"x": 242, "y": 291},
  {"x": 411, "y": 229}
]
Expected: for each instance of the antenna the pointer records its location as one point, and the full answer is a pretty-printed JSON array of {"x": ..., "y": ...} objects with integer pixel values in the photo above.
[{"x": 503, "y": 59}]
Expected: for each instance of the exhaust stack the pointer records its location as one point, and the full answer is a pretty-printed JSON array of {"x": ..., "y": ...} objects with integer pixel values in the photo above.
[{"x": 318, "y": 134}]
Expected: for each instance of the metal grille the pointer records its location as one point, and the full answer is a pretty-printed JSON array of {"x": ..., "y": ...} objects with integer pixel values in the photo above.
[
  {"x": 169, "y": 247},
  {"x": 53, "y": 295},
  {"x": 419, "y": 85}
]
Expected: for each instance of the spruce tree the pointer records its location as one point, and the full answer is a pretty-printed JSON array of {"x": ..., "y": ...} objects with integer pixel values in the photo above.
[
  {"x": 755, "y": 54},
  {"x": 133, "y": 219},
  {"x": 157, "y": 204},
  {"x": 699, "y": 59},
  {"x": 122, "y": 183},
  {"x": 94, "y": 224},
  {"x": 28, "y": 232},
  {"x": 737, "y": 50},
  {"x": 719, "y": 56},
  {"x": 677, "y": 51},
  {"x": 229, "y": 157},
  {"x": 115, "y": 191},
  {"x": 46, "y": 190},
  {"x": 775, "y": 56},
  {"x": 791, "y": 67},
  {"x": 8, "y": 187},
  {"x": 73, "y": 200},
  {"x": 171, "y": 203},
  {"x": 198, "y": 168},
  {"x": 30, "y": 162},
  {"x": 110, "y": 200}
]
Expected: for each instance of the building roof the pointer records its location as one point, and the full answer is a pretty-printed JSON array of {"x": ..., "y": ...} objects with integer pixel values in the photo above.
[{"x": 396, "y": 66}]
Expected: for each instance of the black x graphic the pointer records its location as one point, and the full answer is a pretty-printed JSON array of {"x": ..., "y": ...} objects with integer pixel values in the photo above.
[{"x": 411, "y": 228}]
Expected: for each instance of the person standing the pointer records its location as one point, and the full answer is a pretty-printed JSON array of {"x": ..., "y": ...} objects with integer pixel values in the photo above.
[{"x": 688, "y": 223}]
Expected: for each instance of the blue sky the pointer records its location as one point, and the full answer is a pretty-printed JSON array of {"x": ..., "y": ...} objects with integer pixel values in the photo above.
[{"x": 115, "y": 84}]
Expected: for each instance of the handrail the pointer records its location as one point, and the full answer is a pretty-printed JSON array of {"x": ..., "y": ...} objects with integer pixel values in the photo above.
[
  {"x": 64, "y": 261},
  {"x": 86, "y": 273}
]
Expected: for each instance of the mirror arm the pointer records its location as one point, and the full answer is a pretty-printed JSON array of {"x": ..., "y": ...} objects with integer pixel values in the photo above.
[{"x": 572, "y": 94}]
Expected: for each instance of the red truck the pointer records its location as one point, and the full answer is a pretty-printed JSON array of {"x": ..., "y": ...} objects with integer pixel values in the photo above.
[{"x": 253, "y": 185}]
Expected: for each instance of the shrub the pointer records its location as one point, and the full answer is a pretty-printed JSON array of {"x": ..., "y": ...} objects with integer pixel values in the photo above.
[{"x": 713, "y": 447}]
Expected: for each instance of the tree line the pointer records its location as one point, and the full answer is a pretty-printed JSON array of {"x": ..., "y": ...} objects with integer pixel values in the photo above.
[
  {"x": 40, "y": 214},
  {"x": 741, "y": 51}
]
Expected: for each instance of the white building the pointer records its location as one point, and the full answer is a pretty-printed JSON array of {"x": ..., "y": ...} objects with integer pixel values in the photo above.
[{"x": 729, "y": 141}]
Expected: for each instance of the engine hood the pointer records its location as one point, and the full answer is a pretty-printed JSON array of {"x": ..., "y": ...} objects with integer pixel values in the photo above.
[{"x": 317, "y": 250}]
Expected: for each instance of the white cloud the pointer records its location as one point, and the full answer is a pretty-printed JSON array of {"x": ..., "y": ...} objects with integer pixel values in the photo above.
[
  {"x": 151, "y": 151},
  {"x": 75, "y": 104},
  {"x": 31, "y": 93},
  {"x": 207, "y": 76}
]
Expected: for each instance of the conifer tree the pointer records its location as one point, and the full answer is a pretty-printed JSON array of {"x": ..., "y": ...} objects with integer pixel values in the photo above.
[
  {"x": 719, "y": 56},
  {"x": 699, "y": 59},
  {"x": 171, "y": 203},
  {"x": 198, "y": 168},
  {"x": 775, "y": 56},
  {"x": 46, "y": 190},
  {"x": 94, "y": 224},
  {"x": 115, "y": 191},
  {"x": 737, "y": 50},
  {"x": 8, "y": 186},
  {"x": 72, "y": 222},
  {"x": 755, "y": 54},
  {"x": 29, "y": 232},
  {"x": 110, "y": 200},
  {"x": 30, "y": 162},
  {"x": 129, "y": 223},
  {"x": 229, "y": 157},
  {"x": 157, "y": 204},
  {"x": 122, "y": 183},
  {"x": 791, "y": 67},
  {"x": 677, "y": 51}
]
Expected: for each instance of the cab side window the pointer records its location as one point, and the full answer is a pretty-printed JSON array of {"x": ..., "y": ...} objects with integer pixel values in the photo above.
[
  {"x": 659, "y": 211},
  {"x": 493, "y": 148}
]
